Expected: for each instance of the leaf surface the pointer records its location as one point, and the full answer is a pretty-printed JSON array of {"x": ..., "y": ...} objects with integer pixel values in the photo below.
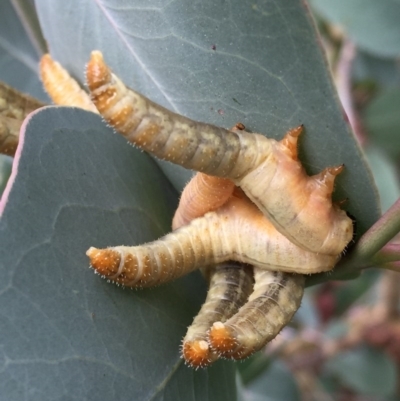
[
  {"x": 259, "y": 63},
  {"x": 372, "y": 25},
  {"x": 18, "y": 58},
  {"x": 365, "y": 370},
  {"x": 65, "y": 332}
]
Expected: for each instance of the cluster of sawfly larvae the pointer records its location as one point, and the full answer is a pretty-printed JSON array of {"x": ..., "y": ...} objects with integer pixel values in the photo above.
[{"x": 251, "y": 219}]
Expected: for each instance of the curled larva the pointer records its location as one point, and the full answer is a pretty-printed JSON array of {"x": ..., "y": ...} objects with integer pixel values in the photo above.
[
  {"x": 271, "y": 306},
  {"x": 283, "y": 223},
  {"x": 268, "y": 171},
  {"x": 61, "y": 87},
  {"x": 230, "y": 286},
  {"x": 235, "y": 231},
  {"x": 230, "y": 283},
  {"x": 14, "y": 107}
]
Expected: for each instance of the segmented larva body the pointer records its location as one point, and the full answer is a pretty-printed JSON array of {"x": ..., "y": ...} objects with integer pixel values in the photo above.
[
  {"x": 62, "y": 88},
  {"x": 276, "y": 296},
  {"x": 280, "y": 222},
  {"x": 268, "y": 171},
  {"x": 14, "y": 107},
  {"x": 203, "y": 193},
  {"x": 230, "y": 286},
  {"x": 270, "y": 307},
  {"x": 235, "y": 231}
]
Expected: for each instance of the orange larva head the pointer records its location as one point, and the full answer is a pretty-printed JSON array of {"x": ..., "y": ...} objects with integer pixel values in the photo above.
[
  {"x": 97, "y": 72},
  {"x": 221, "y": 339},
  {"x": 105, "y": 261},
  {"x": 198, "y": 353}
]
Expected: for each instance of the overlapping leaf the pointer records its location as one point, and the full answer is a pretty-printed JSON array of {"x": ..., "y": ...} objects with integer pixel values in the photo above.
[
  {"x": 220, "y": 62},
  {"x": 64, "y": 330},
  {"x": 79, "y": 185}
]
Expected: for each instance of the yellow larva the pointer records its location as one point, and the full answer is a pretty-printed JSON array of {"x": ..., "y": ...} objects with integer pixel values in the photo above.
[
  {"x": 14, "y": 107},
  {"x": 271, "y": 306},
  {"x": 268, "y": 171},
  {"x": 230, "y": 286},
  {"x": 283, "y": 223},
  {"x": 235, "y": 231}
]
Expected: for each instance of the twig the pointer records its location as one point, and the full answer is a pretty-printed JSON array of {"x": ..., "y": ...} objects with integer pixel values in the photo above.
[
  {"x": 344, "y": 88},
  {"x": 28, "y": 17},
  {"x": 379, "y": 234}
]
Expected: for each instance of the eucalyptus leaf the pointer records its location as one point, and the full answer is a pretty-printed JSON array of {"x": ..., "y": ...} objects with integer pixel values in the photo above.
[
  {"x": 66, "y": 333},
  {"x": 5, "y": 171},
  {"x": 386, "y": 175},
  {"x": 382, "y": 71},
  {"x": 221, "y": 62},
  {"x": 278, "y": 384},
  {"x": 382, "y": 119},
  {"x": 18, "y": 58},
  {"x": 372, "y": 25},
  {"x": 365, "y": 370}
]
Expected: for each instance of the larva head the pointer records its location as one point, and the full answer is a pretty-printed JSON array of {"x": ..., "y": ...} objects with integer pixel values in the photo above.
[
  {"x": 223, "y": 342},
  {"x": 105, "y": 261},
  {"x": 61, "y": 87},
  {"x": 110, "y": 264},
  {"x": 121, "y": 108},
  {"x": 97, "y": 72},
  {"x": 198, "y": 354}
]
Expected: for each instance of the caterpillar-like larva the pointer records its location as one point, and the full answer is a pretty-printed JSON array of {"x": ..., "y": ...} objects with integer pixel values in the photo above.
[
  {"x": 268, "y": 171},
  {"x": 231, "y": 284},
  {"x": 235, "y": 231},
  {"x": 230, "y": 287},
  {"x": 270, "y": 307},
  {"x": 283, "y": 223},
  {"x": 14, "y": 107},
  {"x": 62, "y": 88}
]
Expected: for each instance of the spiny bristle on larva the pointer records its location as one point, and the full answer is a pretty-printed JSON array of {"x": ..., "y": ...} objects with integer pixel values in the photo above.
[
  {"x": 221, "y": 339},
  {"x": 105, "y": 261},
  {"x": 198, "y": 353},
  {"x": 97, "y": 72},
  {"x": 290, "y": 140}
]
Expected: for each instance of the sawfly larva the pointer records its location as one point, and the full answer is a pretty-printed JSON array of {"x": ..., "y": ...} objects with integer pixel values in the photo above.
[{"x": 268, "y": 171}]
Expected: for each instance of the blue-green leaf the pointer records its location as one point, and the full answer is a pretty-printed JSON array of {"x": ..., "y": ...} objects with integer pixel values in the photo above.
[
  {"x": 221, "y": 62},
  {"x": 65, "y": 332},
  {"x": 365, "y": 370},
  {"x": 18, "y": 58},
  {"x": 372, "y": 25}
]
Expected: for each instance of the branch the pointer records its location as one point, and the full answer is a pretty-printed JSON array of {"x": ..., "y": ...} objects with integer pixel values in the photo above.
[
  {"x": 29, "y": 20},
  {"x": 379, "y": 234},
  {"x": 344, "y": 88}
]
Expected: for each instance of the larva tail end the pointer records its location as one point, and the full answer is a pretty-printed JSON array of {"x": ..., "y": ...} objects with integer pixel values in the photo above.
[
  {"x": 198, "y": 354},
  {"x": 290, "y": 141},
  {"x": 326, "y": 180},
  {"x": 97, "y": 71},
  {"x": 105, "y": 261},
  {"x": 222, "y": 341}
]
